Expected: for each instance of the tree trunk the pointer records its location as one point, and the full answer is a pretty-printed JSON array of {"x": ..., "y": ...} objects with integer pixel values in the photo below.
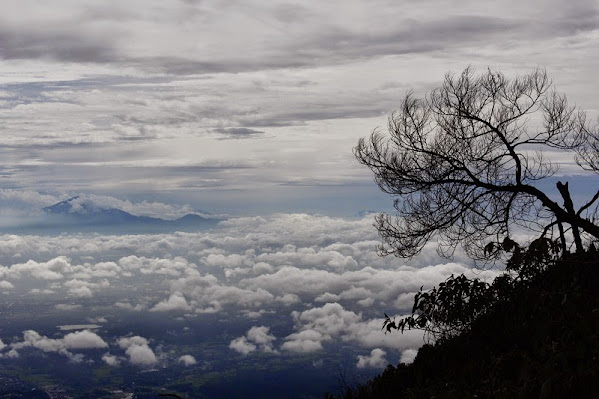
[{"x": 569, "y": 205}]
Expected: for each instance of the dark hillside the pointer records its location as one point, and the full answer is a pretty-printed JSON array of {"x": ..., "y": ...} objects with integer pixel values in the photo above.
[{"x": 542, "y": 342}]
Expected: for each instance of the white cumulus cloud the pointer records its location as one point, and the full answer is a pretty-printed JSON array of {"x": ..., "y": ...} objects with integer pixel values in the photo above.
[
  {"x": 138, "y": 350},
  {"x": 256, "y": 338},
  {"x": 376, "y": 359},
  {"x": 187, "y": 360},
  {"x": 78, "y": 340},
  {"x": 408, "y": 356}
]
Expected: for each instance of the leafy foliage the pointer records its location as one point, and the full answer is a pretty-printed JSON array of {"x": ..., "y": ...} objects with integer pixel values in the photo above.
[
  {"x": 447, "y": 309},
  {"x": 451, "y": 308}
]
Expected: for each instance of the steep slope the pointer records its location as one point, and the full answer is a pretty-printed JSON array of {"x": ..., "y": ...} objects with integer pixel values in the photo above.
[{"x": 542, "y": 343}]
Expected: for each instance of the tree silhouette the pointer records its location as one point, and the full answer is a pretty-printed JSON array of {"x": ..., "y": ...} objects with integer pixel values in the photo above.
[{"x": 463, "y": 163}]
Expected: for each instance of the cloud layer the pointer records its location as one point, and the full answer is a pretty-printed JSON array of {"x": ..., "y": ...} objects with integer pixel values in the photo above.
[{"x": 320, "y": 276}]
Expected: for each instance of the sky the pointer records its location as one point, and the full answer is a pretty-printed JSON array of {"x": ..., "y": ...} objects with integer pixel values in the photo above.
[
  {"x": 248, "y": 107},
  {"x": 247, "y": 110}
]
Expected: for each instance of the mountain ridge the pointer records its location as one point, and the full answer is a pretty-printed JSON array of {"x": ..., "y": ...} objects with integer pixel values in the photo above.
[{"x": 73, "y": 216}]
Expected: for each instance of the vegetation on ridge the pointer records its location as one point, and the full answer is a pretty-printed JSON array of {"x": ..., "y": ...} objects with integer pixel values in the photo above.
[
  {"x": 540, "y": 340},
  {"x": 463, "y": 164}
]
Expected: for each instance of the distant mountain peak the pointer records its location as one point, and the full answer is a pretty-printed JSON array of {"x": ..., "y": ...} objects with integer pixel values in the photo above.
[
  {"x": 73, "y": 205},
  {"x": 82, "y": 214}
]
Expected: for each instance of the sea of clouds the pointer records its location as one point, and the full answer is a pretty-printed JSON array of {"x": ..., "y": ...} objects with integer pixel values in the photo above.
[{"x": 320, "y": 275}]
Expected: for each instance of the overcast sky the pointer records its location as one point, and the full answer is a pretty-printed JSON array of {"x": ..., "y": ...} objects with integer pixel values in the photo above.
[{"x": 248, "y": 106}]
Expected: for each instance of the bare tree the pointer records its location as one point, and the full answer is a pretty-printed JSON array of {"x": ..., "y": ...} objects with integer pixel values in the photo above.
[
  {"x": 588, "y": 152},
  {"x": 462, "y": 164}
]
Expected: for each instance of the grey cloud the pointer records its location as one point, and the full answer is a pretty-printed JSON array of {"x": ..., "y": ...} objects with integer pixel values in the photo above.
[
  {"x": 409, "y": 37},
  {"x": 60, "y": 46},
  {"x": 292, "y": 13},
  {"x": 570, "y": 18},
  {"x": 238, "y": 132},
  {"x": 298, "y": 37},
  {"x": 74, "y": 120},
  {"x": 67, "y": 307},
  {"x": 314, "y": 112},
  {"x": 182, "y": 66}
]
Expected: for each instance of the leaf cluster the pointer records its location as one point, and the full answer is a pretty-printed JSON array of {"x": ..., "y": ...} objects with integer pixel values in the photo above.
[
  {"x": 446, "y": 310},
  {"x": 450, "y": 308}
]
